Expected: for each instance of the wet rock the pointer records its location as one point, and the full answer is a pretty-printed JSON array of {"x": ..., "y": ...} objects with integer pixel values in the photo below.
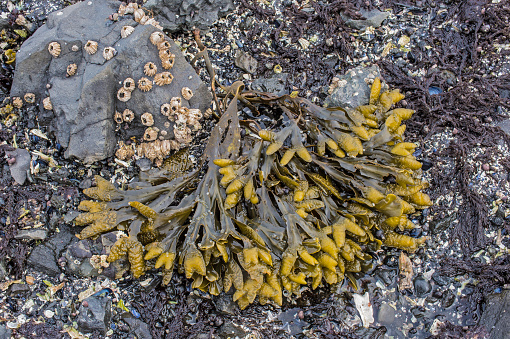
[
  {"x": 229, "y": 330},
  {"x": 95, "y": 314},
  {"x": 84, "y": 104},
  {"x": 291, "y": 322},
  {"x": 3, "y": 270},
  {"x": 386, "y": 275},
  {"x": 81, "y": 249},
  {"x": 20, "y": 166},
  {"x": 144, "y": 164},
  {"x": 137, "y": 327},
  {"x": 386, "y": 314},
  {"x": 176, "y": 15},
  {"x": 496, "y": 316},
  {"x": 274, "y": 84},
  {"x": 373, "y": 18},
  {"x": 439, "y": 225},
  {"x": 32, "y": 234},
  {"x": 18, "y": 289},
  {"x": 226, "y": 305},
  {"x": 448, "y": 299},
  {"x": 42, "y": 258},
  {"x": 246, "y": 62},
  {"x": 352, "y": 89},
  {"x": 5, "y": 333}
]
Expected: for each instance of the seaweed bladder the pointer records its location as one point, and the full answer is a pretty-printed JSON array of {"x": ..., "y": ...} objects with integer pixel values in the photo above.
[{"x": 276, "y": 209}]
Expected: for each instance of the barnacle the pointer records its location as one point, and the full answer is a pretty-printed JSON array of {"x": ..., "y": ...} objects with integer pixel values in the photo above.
[
  {"x": 118, "y": 118},
  {"x": 71, "y": 70},
  {"x": 123, "y": 94},
  {"x": 90, "y": 47},
  {"x": 139, "y": 14},
  {"x": 125, "y": 152},
  {"x": 17, "y": 102},
  {"x": 54, "y": 49},
  {"x": 147, "y": 119},
  {"x": 296, "y": 205},
  {"x": 29, "y": 98},
  {"x": 150, "y": 69},
  {"x": 186, "y": 93},
  {"x": 165, "y": 54},
  {"x": 129, "y": 84},
  {"x": 126, "y": 31},
  {"x": 144, "y": 84},
  {"x": 108, "y": 53},
  {"x": 47, "y": 104},
  {"x": 163, "y": 78},
  {"x": 157, "y": 37},
  {"x": 168, "y": 63},
  {"x": 128, "y": 115}
]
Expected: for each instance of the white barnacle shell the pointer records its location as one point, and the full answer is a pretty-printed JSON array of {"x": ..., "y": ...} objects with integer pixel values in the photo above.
[
  {"x": 157, "y": 37},
  {"x": 187, "y": 93},
  {"x": 71, "y": 70},
  {"x": 163, "y": 78},
  {"x": 150, "y": 69},
  {"x": 126, "y": 31},
  {"x": 139, "y": 14},
  {"x": 108, "y": 53},
  {"x": 47, "y": 104},
  {"x": 75, "y": 48},
  {"x": 129, "y": 84},
  {"x": 151, "y": 134},
  {"x": 29, "y": 98},
  {"x": 91, "y": 47},
  {"x": 144, "y": 84},
  {"x": 163, "y": 45},
  {"x": 128, "y": 115},
  {"x": 17, "y": 102},
  {"x": 166, "y": 109},
  {"x": 123, "y": 94},
  {"x": 144, "y": 20},
  {"x": 119, "y": 119},
  {"x": 54, "y": 49},
  {"x": 131, "y": 8},
  {"x": 122, "y": 9},
  {"x": 147, "y": 119},
  {"x": 168, "y": 63}
]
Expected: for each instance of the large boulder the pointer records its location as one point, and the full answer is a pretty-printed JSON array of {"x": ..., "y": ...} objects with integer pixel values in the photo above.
[{"x": 84, "y": 104}]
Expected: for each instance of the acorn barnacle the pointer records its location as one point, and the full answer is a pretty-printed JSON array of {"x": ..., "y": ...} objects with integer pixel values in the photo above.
[
  {"x": 168, "y": 63},
  {"x": 54, "y": 49},
  {"x": 29, "y": 98},
  {"x": 47, "y": 104},
  {"x": 164, "y": 45},
  {"x": 150, "y": 134},
  {"x": 165, "y": 54},
  {"x": 139, "y": 14},
  {"x": 166, "y": 109},
  {"x": 108, "y": 53},
  {"x": 147, "y": 119},
  {"x": 126, "y": 31},
  {"x": 91, "y": 47},
  {"x": 71, "y": 70},
  {"x": 75, "y": 48},
  {"x": 122, "y": 9},
  {"x": 17, "y": 102},
  {"x": 144, "y": 84},
  {"x": 119, "y": 119},
  {"x": 129, "y": 84},
  {"x": 163, "y": 78},
  {"x": 175, "y": 104},
  {"x": 150, "y": 69},
  {"x": 144, "y": 20},
  {"x": 187, "y": 93},
  {"x": 131, "y": 8},
  {"x": 156, "y": 38},
  {"x": 123, "y": 94},
  {"x": 128, "y": 115}
]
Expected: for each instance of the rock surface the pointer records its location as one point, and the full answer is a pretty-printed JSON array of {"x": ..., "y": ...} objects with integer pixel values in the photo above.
[
  {"x": 373, "y": 18},
  {"x": 20, "y": 168},
  {"x": 95, "y": 314},
  {"x": 43, "y": 257},
  {"x": 175, "y": 15},
  {"x": 84, "y": 104},
  {"x": 352, "y": 89},
  {"x": 496, "y": 317}
]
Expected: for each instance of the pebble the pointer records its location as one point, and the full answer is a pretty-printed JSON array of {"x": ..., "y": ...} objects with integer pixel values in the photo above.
[
  {"x": 49, "y": 314},
  {"x": 386, "y": 314},
  {"x": 485, "y": 167},
  {"x": 422, "y": 286}
]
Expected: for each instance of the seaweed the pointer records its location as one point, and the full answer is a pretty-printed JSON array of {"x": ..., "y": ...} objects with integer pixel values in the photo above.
[{"x": 273, "y": 209}]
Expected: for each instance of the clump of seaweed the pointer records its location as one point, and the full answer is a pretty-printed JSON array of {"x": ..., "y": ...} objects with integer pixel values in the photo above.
[{"x": 274, "y": 209}]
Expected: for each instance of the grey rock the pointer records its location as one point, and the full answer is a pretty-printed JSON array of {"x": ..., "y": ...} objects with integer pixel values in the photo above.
[
  {"x": 84, "y": 104},
  {"x": 274, "y": 84},
  {"x": 18, "y": 289},
  {"x": 5, "y": 333},
  {"x": 386, "y": 314},
  {"x": 373, "y": 18},
  {"x": 22, "y": 165},
  {"x": 69, "y": 216},
  {"x": 496, "y": 316},
  {"x": 143, "y": 164},
  {"x": 422, "y": 286},
  {"x": 33, "y": 234},
  {"x": 504, "y": 125},
  {"x": 229, "y": 330},
  {"x": 440, "y": 225},
  {"x": 226, "y": 305},
  {"x": 81, "y": 249},
  {"x": 352, "y": 89},
  {"x": 42, "y": 258},
  {"x": 176, "y": 15},
  {"x": 246, "y": 62},
  {"x": 95, "y": 316},
  {"x": 3, "y": 270},
  {"x": 87, "y": 270},
  {"x": 138, "y": 327}
]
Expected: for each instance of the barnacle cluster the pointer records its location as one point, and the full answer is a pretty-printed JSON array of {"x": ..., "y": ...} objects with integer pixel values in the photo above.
[{"x": 276, "y": 209}]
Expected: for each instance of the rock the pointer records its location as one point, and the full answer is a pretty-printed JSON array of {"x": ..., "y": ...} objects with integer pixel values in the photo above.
[
  {"x": 374, "y": 18},
  {"x": 352, "y": 89},
  {"x": 439, "y": 225},
  {"x": 95, "y": 316},
  {"x": 143, "y": 164},
  {"x": 84, "y": 104},
  {"x": 5, "y": 333},
  {"x": 274, "y": 84},
  {"x": 18, "y": 289},
  {"x": 138, "y": 327},
  {"x": 386, "y": 314},
  {"x": 422, "y": 286},
  {"x": 226, "y": 305},
  {"x": 246, "y": 62},
  {"x": 32, "y": 234},
  {"x": 21, "y": 166},
  {"x": 229, "y": 330},
  {"x": 176, "y": 15},
  {"x": 504, "y": 125},
  {"x": 3, "y": 270},
  {"x": 81, "y": 249},
  {"x": 42, "y": 258},
  {"x": 496, "y": 316}
]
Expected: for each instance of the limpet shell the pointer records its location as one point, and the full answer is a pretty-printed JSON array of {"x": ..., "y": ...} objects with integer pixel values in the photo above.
[
  {"x": 54, "y": 49},
  {"x": 128, "y": 115},
  {"x": 126, "y": 31},
  {"x": 129, "y": 84},
  {"x": 108, "y": 53},
  {"x": 123, "y": 94},
  {"x": 156, "y": 38},
  {"x": 147, "y": 119},
  {"x": 150, "y": 134},
  {"x": 71, "y": 70},
  {"x": 90, "y": 47},
  {"x": 187, "y": 93},
  {"x": 150, "y": 69},
  {"x": 144, "y": 84},
  {"x": 29, "y": 98},
  {"x": 17, "y": 102},
  {"x": 47, "y": 104},
  {"x": 163, "y": 78}
]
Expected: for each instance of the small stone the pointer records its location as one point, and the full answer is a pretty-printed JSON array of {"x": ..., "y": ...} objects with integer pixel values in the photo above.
[
  {"x": 386, "y": 314},
  {"x": 29, "y": 279},
  {"x": 485, "y": 167},
  {"x": 18, "y": 289},
  {"x": 49, "y": 314},
  {"x": 301, "y": 314},
  {"x": 246, "y": 62},
  {"x": 225, "y": 305},
  {"x": 32, "y": 234},
  {"x": 422, "y": 286},
  {"x": 95, "y": 315}
]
